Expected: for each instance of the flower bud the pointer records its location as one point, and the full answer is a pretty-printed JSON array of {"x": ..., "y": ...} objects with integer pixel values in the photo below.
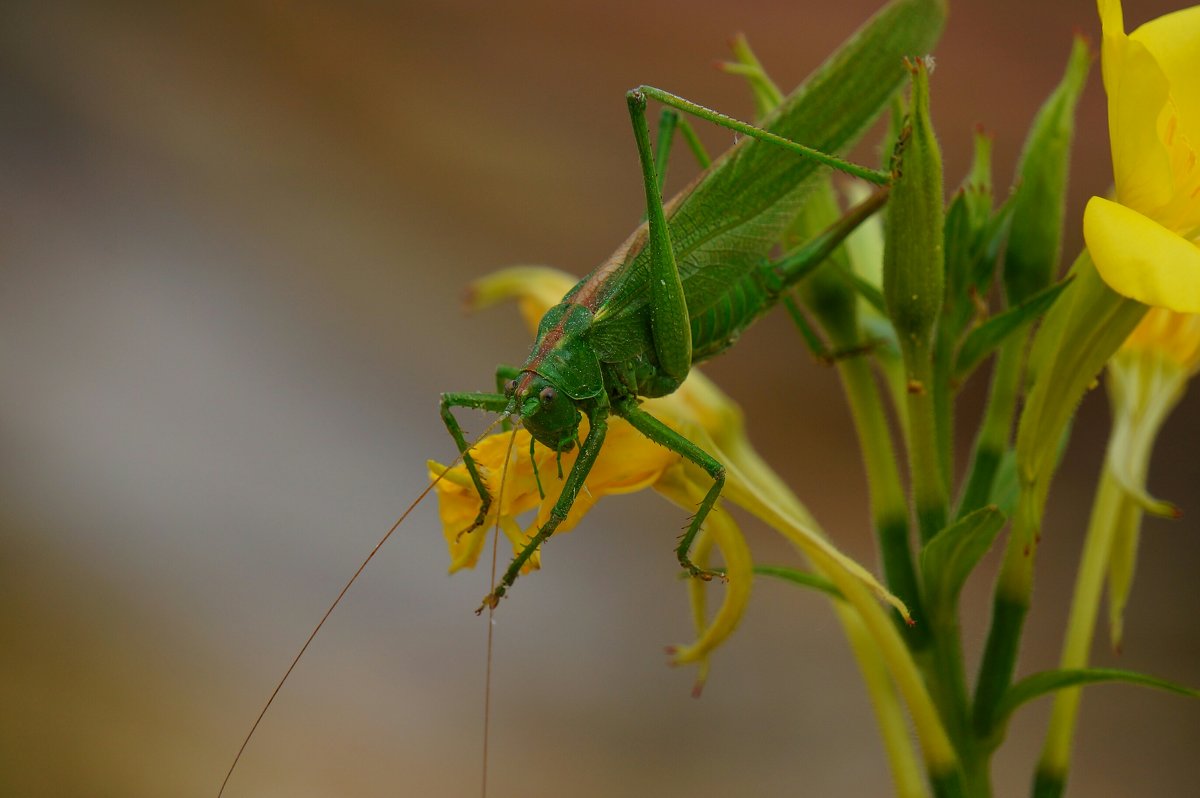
[{"x": 913, "y": 260}]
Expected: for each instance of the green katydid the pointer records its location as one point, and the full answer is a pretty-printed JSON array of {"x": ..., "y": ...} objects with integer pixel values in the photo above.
[
  {"x": 696, "y": 273},
  {"x": 690, "y": 279}
]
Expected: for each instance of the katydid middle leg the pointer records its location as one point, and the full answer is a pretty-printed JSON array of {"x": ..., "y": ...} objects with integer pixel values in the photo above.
[
  {"x": 668, "y": 438},
  {"x": 669, "y": 123}
]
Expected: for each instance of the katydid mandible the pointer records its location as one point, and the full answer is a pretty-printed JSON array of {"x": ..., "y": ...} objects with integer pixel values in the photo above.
[{"x": 682, "y": 287}]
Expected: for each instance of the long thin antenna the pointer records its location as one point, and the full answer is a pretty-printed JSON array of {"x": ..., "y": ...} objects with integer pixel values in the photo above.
[
  {"x": 338, "y": 600},
  {"x": 487, "y": 687}
]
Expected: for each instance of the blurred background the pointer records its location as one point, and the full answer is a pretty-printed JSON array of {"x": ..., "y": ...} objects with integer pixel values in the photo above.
[{"x": 233, "y": 241}]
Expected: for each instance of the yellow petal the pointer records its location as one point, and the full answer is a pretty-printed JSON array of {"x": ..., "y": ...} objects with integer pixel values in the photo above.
[
  {"x": 1141, "y": 259},
  {"x": 1171, "y": 335},
  {"x": 1174, "y": 40},
  {"x": 685, "y": 486},
  {"x": 1137, "y": 96}
]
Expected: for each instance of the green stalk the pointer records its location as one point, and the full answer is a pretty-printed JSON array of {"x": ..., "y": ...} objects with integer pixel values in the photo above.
[
  {"x": 1107, "y": 510},
  {"x": 1009, "y": 607},
  {"x": 889, "y": 510},
  {"x": 941, "y": 759},
  {"x": 996, "y": 428},
  {"x": 1074, "y": 342},
  {"x": 889, "y": 715},
  {"x": 929, "y": 488}
]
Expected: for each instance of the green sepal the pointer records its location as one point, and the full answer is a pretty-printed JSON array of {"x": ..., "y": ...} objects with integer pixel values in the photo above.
[
  {"x": 1035, "y": 240},
  {"x": 995, "y": 235},
  {"x": 1077, "y": 337},
  {"x": 950, "y": 556},
  {"x": 802, "y": 578},
  {"x": 981, "y": 341},
  {"x": 765, "y": 92},
  {"x": 1045, "y": 682},
  {"x": 968, "y": 231}
]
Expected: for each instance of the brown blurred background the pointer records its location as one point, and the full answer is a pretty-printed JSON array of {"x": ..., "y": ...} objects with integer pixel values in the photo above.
[{"x": 232, "y": 244}]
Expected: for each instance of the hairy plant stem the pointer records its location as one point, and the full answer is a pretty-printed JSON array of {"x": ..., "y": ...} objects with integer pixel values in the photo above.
[
  {"x": 1107, "y": 511},
  {"x": 889, "y": 511},
  {"x": 929, "y": 488},
  {"x": 996, "y": 428},
  {"x": 943, "y": 662}
]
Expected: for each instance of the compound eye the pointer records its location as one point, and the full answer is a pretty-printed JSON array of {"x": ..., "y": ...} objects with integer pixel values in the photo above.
[
  {"x": 547, "y": 395},
  {"x": 510, "y": 387}
]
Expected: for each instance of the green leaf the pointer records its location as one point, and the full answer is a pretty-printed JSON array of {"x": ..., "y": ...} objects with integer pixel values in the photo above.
[
  {"x": 1035, "y": 241},
  {"x": 798, "y": 577},
  {"x": 1048, "y": 681},
  {"x": 950, "y": 556},
  {"x": 980, "y": 342}
]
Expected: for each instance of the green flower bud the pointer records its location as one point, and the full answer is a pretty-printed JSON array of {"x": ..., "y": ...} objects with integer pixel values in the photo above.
[
  {"x": 913, "y": 260},
  {"x": 1035, "y": 241}
]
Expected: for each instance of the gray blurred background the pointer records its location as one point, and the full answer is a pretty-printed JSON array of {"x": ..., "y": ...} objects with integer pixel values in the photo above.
[{"x": 232, "y": 245}]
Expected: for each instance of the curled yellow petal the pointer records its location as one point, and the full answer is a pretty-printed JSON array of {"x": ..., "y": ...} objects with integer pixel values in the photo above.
[
  {"x": 746, "y": 493},
  {"x": 1141, "y": 259},
  {"x": 686, "y": 485}
]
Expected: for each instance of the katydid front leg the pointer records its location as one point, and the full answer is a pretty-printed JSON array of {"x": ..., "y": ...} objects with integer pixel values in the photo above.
[
  {"x": 597, "y": 427},
  {"x": 668, "y": 123},
  {"x": 492, "y": 402}
]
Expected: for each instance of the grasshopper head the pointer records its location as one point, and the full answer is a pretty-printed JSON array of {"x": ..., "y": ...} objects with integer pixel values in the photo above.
[{"x": 550, "y": 415}]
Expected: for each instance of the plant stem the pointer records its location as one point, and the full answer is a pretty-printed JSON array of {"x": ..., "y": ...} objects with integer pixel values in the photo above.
[
  {"x": 941, "y": 759},
  {"x": 994, "y": 433},
  {"x": 893, "y": 726},
  {"x": 889, "y": 510},
  {"x": 929, "y": 488},
  {"x": 1107, "y": 510}
]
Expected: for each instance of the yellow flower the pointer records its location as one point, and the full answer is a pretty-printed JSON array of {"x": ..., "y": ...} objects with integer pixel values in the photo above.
[
  {"x": 1146, "y": 245},
  {"x": 1146, "y": 380},
  {"x": 629, "y": 462}
]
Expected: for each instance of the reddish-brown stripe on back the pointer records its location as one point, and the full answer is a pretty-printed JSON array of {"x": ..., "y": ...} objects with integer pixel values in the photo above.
[
  {"x": 548, "y": 342},
  {"x": 590, "y": 293}
]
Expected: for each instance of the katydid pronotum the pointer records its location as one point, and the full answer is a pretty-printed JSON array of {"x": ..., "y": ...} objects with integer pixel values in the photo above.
[{"x": 692, "y": 277}]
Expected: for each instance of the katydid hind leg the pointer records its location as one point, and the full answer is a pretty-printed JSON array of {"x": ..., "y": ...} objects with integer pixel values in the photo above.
[
  {"x": 597, "y": 428},
  {"x": 492, "y": 402},
  {"x": 664, "y": 436},
  {"x": 670, "y": 324},
  {"x": 700, "y": 112}
]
